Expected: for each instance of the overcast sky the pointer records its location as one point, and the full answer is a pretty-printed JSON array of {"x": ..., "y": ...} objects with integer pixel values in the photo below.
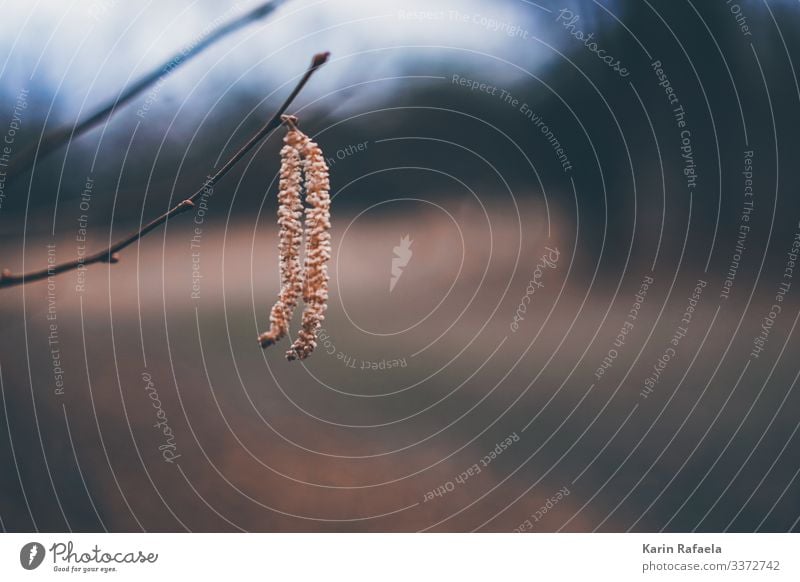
[{"x": 78, "y": 53}]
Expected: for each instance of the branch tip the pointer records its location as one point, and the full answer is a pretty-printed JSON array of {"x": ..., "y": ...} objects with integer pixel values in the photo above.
[
  {"x": 264, "y": 9},
  {"x": 320, "y": 59}
]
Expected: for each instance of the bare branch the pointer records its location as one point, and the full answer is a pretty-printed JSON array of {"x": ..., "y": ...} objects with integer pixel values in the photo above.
[
  {"x": 22, "y": 161},
  {"x": 111, "y": 254}
]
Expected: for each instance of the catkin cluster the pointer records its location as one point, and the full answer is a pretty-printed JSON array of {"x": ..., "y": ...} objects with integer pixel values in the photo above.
[{"x": 303, "y": 167}]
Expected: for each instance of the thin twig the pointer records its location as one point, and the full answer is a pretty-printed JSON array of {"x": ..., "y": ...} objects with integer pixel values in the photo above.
[
  {"x": 22, "y": 161},
  {"x": 110, "y": 255}
]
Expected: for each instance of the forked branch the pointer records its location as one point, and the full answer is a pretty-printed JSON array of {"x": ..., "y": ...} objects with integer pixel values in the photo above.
[{"x": 110, "y": 254}]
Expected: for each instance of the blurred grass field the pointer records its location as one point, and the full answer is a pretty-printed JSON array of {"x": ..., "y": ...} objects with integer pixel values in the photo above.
[{"x": 332, "y": 444}]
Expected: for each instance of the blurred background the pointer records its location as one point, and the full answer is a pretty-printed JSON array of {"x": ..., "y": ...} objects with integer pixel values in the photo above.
[{"x": 562, "y": 294}]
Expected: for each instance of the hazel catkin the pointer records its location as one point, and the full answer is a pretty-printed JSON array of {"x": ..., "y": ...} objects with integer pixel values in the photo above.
[
  {"x": 317, "y": 251},
  {"x": 290, "y": 238},
  {"x": 303, "y": 167}
]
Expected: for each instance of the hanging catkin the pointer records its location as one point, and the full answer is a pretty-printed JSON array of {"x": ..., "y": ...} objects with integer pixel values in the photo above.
[
  {"x": 301, "y": 158},
  {"x": 318, "y": 248},
  {"x": 291, "y": 235}
]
